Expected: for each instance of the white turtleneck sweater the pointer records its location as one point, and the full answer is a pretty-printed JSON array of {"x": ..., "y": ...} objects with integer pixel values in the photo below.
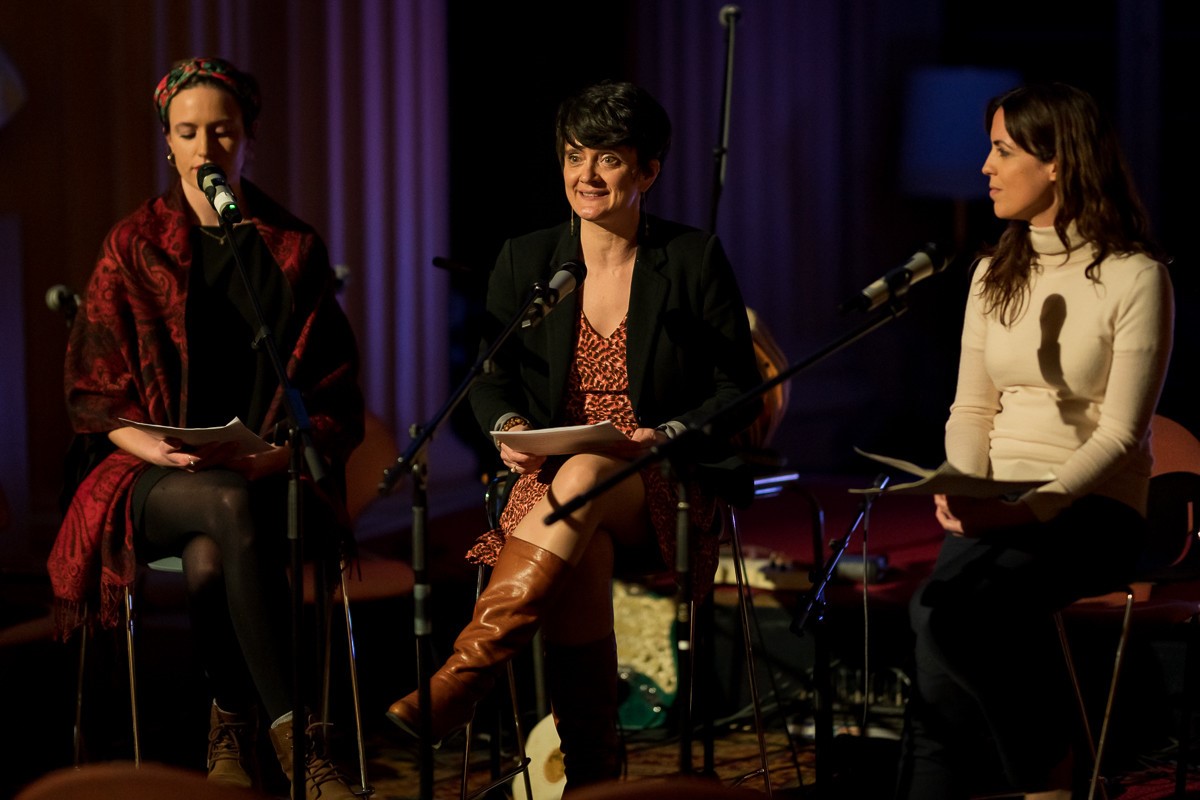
[{"x": 1067, "y": 392}]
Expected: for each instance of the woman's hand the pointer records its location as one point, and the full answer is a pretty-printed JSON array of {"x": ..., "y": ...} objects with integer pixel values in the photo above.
[
  {"x": 640, "y": 441},
  {"x": 171, "y": 452},
  {"x": 259, "y": 465},
  {"x": 947, "y": 520},
  {"x": 972, "y": 517},
  {"x": 515, "y": 460},
  {"x": 151, "y": 449}
]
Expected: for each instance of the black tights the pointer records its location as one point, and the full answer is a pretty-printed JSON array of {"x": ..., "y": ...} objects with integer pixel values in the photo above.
[{"x": 237, "y": 587}]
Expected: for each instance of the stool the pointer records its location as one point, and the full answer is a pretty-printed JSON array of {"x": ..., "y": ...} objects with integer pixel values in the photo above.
[
  {"x": 169, "y": 564},
  {"x": 1172, "y": 526},
  {"x": 174, "y": 564}
]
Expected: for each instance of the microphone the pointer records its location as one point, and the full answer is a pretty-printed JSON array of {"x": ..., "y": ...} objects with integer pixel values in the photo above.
[
  {"x": 62, "y": 298},
  {"x": 569, "y": 276},
  {"x": 729, "y": 14},
  {"x": 211, "y": 179},
  {"x": 341, "y": 276},
  {"x": 895, "y": 284}
]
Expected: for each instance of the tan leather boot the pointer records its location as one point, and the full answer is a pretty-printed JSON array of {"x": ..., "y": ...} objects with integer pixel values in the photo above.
[
  {"x": 507, "y": 614},
  {"x": 322, "y": 780},
  {"x": 583, "y": 694},
  {"x": 231, "y": 740}
]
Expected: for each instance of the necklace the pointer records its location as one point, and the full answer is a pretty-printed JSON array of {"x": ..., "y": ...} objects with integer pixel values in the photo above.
[{"x": 219, "y": 239}]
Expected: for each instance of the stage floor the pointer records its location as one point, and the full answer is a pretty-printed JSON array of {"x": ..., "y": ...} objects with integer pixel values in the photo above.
[{"x": 862, "y": 631}]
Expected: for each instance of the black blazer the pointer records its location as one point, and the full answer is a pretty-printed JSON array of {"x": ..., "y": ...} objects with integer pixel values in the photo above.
[{"x": 689, "y": 351}]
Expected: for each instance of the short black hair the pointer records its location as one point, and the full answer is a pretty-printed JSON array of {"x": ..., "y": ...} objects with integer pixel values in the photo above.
[{"x": 614, "y": 114}]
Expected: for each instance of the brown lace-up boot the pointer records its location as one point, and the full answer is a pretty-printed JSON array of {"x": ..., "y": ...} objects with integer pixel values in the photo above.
[
  {"x": 231, "y": 739},
  {"x": 508, "y": 612},
  {"x": 322, "y": 780},
  {"x": 583, "y": 694}
]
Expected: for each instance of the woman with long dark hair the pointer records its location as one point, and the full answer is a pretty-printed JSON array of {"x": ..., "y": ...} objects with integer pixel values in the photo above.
[{"x": 1065, "y": 345}]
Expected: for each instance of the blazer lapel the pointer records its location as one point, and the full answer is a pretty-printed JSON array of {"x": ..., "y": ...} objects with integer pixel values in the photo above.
[
  {"x": 559, "y": 325},
  {"x": 647, "y": 295}
]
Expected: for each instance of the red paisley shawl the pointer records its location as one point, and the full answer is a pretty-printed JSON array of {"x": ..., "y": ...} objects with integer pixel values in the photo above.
[{"x": 127, "y": 357}]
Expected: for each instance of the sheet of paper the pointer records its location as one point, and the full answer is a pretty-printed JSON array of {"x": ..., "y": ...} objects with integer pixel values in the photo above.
[
  {"x": 234, "y": 431},
  {"x": 945, "y": 480},
  {"x": 560, "y": 441}
]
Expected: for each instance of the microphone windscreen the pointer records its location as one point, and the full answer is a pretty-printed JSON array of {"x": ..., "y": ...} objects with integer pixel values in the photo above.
[
  {"x": 209, "y": 174},
  {"x": 60, "y": 297}
]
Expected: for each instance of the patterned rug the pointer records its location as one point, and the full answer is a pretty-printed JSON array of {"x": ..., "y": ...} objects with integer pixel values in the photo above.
[
  {"x": 856, "y": 769},
  {"x": 395, "y": 771}
]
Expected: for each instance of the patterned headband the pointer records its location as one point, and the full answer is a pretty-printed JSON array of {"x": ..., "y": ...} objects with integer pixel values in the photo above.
[{"x": 241, "y": 85}]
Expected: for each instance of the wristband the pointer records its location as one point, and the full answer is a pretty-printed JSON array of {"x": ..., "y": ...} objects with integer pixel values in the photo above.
[{"x": 512, "y": 422}]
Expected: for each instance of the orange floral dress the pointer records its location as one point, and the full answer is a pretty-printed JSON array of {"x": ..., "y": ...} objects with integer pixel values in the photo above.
[{"x": 598, "y": 390}]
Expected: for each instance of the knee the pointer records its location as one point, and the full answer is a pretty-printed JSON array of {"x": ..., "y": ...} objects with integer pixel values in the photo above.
[
  {"x": 584, "y": 472},
  {"x": 230, "y": 498},
  {"x": 226, "y": 507},
  {"x": 579, "y": 473},
  {"x": 202, "y": 564}
]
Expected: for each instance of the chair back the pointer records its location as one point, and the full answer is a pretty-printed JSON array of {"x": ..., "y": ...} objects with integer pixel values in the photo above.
[
  {"x": 1174, "y": 447},
  {"x": 366, "y": 465},
  {"x": 496, "y": 496},
  {"x": 1174, "y": 496}
]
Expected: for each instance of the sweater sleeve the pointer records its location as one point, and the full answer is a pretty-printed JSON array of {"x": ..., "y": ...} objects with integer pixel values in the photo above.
[{"x": 976, "y": 399}]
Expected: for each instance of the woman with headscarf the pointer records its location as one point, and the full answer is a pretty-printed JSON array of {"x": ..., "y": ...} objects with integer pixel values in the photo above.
[{"x": 167, "y": 335}]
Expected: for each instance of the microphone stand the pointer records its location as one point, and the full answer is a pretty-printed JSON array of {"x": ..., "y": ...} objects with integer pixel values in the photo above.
[
  {"x": 729, "y": 16},
  {"x": 303, "y": 452},
  {"x": 684, "y": 624},
  {"x": 823, "y": 702},
  {"x": 895, "y": 308},
  {"x": 412, "y": 462}
]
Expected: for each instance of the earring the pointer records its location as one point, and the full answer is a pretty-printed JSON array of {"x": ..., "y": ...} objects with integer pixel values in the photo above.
[
  {"x": 170, "y": 157},
  {"x": 573, "y": 218}
]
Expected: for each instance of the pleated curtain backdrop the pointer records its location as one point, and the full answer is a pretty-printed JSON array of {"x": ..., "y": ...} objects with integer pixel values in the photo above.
[{"x": 353, "y": 139}]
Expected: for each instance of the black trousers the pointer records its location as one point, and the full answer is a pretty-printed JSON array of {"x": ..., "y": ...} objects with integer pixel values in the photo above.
[{"x": 990, "y": 705}]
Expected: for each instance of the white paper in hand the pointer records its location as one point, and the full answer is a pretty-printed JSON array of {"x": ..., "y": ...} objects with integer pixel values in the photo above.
[
  {"x": 560, "y": 441},
  {"x": 235, "y": 431},
  {"x": 945, "y": 480}
]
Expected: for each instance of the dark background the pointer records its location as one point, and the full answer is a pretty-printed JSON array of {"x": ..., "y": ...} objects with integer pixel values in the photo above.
[{"x": 814, "y": 206}]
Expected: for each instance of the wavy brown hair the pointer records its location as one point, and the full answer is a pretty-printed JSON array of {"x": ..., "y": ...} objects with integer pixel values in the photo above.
[{"x": 1058, "y": 122}]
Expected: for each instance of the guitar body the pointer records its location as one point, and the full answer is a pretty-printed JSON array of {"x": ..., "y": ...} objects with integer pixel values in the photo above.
[
  {"x": 546, "y": 777},
  {"x": 644, "y": 624}
]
